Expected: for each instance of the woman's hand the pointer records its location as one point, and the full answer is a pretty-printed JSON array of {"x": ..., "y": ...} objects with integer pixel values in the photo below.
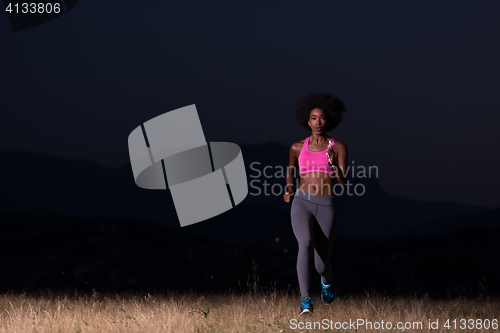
[
  {"x": 288, "y": 197},
  {"x": 333, "y": 157}
]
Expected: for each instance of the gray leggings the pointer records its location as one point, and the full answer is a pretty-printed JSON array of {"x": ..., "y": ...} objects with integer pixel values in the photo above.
[{"x": 307, "y": 208}]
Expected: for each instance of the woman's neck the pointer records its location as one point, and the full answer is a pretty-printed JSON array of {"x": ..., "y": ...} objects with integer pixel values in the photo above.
[{"x": 318, "y": 138}]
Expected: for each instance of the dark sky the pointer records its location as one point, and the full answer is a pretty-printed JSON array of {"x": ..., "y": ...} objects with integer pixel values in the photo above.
[{"x": 420, "y": 80}]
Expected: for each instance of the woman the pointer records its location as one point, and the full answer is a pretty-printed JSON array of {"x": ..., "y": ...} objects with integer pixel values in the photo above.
[{"x": 314, "y": 209}]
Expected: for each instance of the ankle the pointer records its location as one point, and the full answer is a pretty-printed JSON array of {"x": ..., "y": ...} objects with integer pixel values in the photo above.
[{"x": 324, "y": 281}]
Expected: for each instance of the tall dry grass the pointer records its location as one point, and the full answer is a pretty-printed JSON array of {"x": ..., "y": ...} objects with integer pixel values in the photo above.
[{"x": 274, "y": 311}]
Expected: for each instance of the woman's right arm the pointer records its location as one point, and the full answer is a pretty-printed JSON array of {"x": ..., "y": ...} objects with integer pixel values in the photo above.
[{"x": 290, "y": 171}]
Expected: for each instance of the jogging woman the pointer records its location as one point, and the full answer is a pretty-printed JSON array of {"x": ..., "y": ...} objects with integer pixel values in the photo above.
[{"x": 321, "y": 160}]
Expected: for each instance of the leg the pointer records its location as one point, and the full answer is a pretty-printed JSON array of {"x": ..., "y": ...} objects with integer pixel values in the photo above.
[
  {"x": 302, "y": 222},
  {"x": 324, "y": 232}
]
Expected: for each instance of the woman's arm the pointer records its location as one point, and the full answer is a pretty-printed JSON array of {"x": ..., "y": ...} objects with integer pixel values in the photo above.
[
  {"x": 339, "y": 161},
  {"x": 290, "y": 171}
]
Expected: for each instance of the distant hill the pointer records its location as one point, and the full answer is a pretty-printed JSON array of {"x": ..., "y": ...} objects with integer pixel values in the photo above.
[
  {"x": 42, "y": 184},
  {"x": 484, "y": 220}
]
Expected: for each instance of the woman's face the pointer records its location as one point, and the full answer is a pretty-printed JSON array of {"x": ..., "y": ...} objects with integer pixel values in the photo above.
[{"x": 317, "y": 121}]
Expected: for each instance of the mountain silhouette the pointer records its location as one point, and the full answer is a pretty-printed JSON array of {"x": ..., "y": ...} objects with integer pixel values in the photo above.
[
  {"x": 472, "y": 221},
  {"x": 40, "y": 184}
]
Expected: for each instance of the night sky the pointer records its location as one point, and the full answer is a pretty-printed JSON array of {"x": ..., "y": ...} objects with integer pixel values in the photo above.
[{"x": 420, "y": 81}]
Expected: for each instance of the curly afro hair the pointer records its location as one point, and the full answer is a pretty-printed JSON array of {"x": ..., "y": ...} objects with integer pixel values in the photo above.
[{"x": 331, "y": 105}]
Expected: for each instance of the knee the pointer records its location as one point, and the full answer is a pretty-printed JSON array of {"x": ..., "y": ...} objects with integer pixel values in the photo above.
[{"x": 306, "y": 246}]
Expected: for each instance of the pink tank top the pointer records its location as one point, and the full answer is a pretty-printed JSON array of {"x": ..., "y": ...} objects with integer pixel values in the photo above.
[{"x": 313, "y": 161}]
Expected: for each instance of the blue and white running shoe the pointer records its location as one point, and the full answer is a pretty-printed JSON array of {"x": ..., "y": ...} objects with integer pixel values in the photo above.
[
  {"x": 306, "y": 306},
  {"x": 327, "y": 291}
]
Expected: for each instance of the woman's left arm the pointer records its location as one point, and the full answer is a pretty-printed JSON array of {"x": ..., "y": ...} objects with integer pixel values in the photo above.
[
  {"x": 339, "y": 161},
  {"x": 342, "y": 164}
]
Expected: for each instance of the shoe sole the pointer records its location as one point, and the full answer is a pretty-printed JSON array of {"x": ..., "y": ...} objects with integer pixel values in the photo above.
[{"x": 305, "y": 312}]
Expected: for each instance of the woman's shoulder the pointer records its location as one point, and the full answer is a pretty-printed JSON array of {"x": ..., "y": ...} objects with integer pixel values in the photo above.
[
  {"x": 299, "y": 144},
  {"x": 340, "y": 144},
  {"x": 296, "y": 147}
]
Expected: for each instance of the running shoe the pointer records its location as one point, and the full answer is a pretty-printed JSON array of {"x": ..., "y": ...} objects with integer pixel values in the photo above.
[
  {"x": 306, "y": 306},
  {"x": 327, "y": 291}
]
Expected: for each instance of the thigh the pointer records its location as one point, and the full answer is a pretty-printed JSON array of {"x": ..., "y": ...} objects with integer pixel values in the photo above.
[
  {"x": 324, "y": 230},
  {"x": 302, "y": 219},
  {"x": 327, "y": 219}
]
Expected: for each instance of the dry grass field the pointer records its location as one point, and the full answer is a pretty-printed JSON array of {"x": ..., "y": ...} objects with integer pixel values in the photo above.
[{"x": 273, "y": 311}]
